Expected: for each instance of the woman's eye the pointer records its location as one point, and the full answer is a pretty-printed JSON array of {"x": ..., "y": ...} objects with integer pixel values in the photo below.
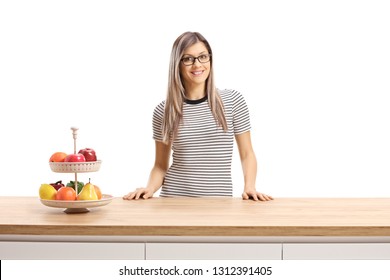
[{"x": 188, "y": 59}]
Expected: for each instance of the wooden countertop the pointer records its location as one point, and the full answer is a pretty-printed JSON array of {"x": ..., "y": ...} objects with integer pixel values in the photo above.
[{"x": 202, "y": 217}]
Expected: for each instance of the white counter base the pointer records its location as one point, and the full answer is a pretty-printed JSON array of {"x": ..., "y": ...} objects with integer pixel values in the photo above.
[{"x": 193, "y": 248}]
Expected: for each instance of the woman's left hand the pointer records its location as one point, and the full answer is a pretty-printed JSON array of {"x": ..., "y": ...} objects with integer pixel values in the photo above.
[{"x": 253, "y": 194}]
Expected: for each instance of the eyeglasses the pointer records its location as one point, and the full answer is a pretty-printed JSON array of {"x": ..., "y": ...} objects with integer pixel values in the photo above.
[{"x": 190, "y": 60}]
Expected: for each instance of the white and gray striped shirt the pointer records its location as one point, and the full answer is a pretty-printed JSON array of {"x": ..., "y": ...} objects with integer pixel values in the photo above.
[{"x": 202, "y": 151}]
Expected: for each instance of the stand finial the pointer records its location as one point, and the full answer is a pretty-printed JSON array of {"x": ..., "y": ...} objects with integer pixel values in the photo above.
[{"x": 74, "y": 129}]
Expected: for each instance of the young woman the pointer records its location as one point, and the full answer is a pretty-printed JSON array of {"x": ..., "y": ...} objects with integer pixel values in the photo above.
[{"x": 198, "y": 123}]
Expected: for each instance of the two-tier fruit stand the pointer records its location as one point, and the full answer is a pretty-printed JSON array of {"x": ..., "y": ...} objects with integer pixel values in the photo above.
[{"x": 76, "y": 206}]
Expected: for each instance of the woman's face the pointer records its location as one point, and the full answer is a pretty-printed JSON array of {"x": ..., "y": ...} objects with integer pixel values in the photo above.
[{"x": 197, "y": 73}]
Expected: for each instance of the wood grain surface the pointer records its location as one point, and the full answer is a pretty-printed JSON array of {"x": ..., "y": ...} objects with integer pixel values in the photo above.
[{"x": 202, "y": 217}]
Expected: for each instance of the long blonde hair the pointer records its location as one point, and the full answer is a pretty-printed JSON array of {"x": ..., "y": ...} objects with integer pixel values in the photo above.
[{"x": 173, "y": 111}]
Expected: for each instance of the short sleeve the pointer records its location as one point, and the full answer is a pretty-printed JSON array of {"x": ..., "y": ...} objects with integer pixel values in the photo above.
[
  {"x": 158, "y": 115},
  {"x": 241, "y": 118}
]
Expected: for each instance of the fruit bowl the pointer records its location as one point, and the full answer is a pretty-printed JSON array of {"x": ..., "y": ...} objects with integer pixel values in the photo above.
[
  {"x": 78, "y": 206},
  {"x": 75, "y": 167}
]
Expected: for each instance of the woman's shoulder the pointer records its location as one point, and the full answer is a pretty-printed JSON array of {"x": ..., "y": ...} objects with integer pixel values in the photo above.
[
  {"x": 159, "y": 109},
  {"x": 161, "y": 104},
  {"x": 229, "y": 94}
]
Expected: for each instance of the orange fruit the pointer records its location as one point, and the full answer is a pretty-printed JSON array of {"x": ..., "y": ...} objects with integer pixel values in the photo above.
[
  {"x": 58, "y": 157},
  {"x": 98, "y": 192},
  {"x": 66, "y": 193}
]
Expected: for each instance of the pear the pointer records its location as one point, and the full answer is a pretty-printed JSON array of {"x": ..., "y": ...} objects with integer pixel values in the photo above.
[
  {"x": 47, "y": 191},
  {"x": 88, "y": 192}
]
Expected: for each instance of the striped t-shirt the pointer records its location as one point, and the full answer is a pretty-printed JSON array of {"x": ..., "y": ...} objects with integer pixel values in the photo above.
[{"x": 202, "y": 151}]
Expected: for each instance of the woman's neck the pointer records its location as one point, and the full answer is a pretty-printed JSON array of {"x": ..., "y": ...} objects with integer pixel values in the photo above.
[{"x": 195, "y": 92}]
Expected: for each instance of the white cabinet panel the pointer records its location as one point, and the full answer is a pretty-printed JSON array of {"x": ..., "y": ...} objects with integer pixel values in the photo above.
[
  {"x": 209, "y": 251},
  {"x": 71, "y": 250},
  {"x": 337, "y": 251}
]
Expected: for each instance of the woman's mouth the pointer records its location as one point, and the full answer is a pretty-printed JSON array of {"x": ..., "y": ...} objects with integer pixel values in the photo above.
[{"x": 197, "y": 73}]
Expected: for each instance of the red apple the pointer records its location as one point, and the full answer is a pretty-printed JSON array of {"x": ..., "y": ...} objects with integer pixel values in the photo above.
[
  {"x": 75, "y": 158},
  {"x": 57, "y": 185},
  {"x": 89, "y": 154}
]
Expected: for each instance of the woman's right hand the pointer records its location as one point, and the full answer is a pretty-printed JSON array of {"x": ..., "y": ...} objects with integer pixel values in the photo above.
[{"x": 144, "y": 193}]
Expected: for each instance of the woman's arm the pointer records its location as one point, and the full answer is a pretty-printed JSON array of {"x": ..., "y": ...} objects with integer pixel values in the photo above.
[
  {"x": 249, "y": 167},
  {"x": 156, "y": 178}
]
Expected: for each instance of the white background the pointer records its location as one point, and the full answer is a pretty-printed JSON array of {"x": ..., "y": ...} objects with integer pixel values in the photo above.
[
  {"x": 315, "y": 75},
  {"x": 281, "y": 270}
]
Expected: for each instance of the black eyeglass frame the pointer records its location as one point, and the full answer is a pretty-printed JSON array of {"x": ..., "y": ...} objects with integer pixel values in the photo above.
[{"x": 196, "y": 58}]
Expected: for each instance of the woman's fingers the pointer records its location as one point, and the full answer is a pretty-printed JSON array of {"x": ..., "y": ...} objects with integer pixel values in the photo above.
[
  {"x": 256, "y": 196},
  {"x": 138, "y": 193}
]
